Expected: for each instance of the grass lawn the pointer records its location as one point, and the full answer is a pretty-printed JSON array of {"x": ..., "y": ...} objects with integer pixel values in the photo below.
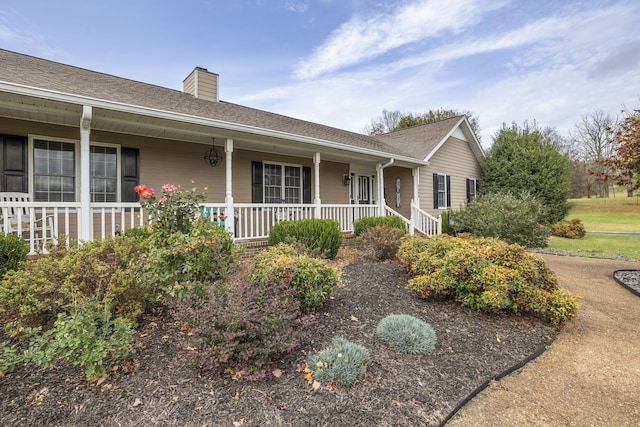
[
  {"x": 619, "y": 214},
  {"x": 599, "y": 246},
  {"x": 615, "y": 215}
]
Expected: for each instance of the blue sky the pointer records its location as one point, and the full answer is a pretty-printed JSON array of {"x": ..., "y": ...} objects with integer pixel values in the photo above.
[{"x": 341, "y": 62}]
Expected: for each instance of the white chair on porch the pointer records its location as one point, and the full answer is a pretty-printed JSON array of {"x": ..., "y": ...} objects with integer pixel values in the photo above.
[{"x": 17, "y": 219}]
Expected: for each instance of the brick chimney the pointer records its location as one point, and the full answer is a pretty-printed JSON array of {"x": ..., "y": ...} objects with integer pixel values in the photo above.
[{"x": 202, "y": 84}]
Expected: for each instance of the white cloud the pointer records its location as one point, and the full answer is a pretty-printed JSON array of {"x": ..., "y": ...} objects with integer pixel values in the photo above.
[
  {"x": 551, "y": 69},
  {"x": 360, "y": 39},
  {"x": 296, "y": 6}
]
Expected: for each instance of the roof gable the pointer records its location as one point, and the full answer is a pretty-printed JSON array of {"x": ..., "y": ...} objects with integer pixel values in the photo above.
[{"x": 425, "y": 140}]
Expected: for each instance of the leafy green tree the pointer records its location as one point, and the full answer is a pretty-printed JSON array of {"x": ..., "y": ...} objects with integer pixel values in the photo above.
[{"x": 524, "y": 159}]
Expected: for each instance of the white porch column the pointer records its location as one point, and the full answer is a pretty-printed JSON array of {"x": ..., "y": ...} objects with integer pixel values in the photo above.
[
  {"x": 415, "y": 172},
  {"x": 380, "y": 176},
  {"x": 85, "y": 225},
  {"x": 228, "y": 199},
  {"x": 316, "y": 177},
  {"x": 416, "y": 185}
]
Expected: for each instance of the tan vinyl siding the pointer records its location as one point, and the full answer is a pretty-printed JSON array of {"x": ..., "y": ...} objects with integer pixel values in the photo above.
[
  {"x": 181, "y": 163},
  {"x": 201, "y": 84},
  {"x": 406, "y": 189},
  {"x": 454, "y": 158},
  {"x": 332, "y": 190}
]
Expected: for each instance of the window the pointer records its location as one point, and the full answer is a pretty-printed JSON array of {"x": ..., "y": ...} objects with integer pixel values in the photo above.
[
  {"x": 441, "y": 191},
  {"x": 473, "y": 188},
  {"x": 55, "y": 172},
  {"x": 104, "y": 174},
  {"x": 282, "y": 183},
  {"x": 278, "y": 183},
  {"x": 54, "y": 177}
]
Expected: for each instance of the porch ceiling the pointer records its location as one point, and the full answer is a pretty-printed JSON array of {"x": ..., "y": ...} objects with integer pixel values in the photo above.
[{"x": 52, "y": 111}]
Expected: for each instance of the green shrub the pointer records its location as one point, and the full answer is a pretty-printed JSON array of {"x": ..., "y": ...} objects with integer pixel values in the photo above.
[
  {"x": 410, "y": 250},
  {"x": 241, "y": 327},
  {"x": 573, "y": 229},
  {"x": 10, "y": 358},
  {"x": 363, "y": 224},
  {"x": 322, "y": 235},
  {"x": 407, "y": 334},
  {"x": 505, "y": 216},
  {"x": 343, "y": 363},
  {"x": 312, "y": 279},
  {"x": 380, "y": 242},
  {"x": 447, "y": 225},
  {"x": 181, "y": 263},
  {"x": 137, "y": 233},
  {"x": 13, "y": 252},
  {"x": 87, "y": 336},
  {"x": 36, "y": 294},
  {"x": 488, "y": 275}
]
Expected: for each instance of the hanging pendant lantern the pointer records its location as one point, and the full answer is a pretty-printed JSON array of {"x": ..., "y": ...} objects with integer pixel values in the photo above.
[{"x": 212, "y": 157}]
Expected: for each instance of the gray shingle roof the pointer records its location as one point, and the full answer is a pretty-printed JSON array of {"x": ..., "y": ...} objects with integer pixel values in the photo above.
[
  {"x": 44, "y": 74},
  {"x": 420, "y": 140}
]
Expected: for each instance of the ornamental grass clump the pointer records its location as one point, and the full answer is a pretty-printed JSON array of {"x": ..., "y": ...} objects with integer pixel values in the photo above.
[
  {"x": 407, "y": 334},
  {"x": 343, "y": 363}
]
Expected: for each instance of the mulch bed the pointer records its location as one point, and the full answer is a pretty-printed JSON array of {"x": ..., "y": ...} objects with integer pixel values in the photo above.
[{"x": 158, "y": 388}]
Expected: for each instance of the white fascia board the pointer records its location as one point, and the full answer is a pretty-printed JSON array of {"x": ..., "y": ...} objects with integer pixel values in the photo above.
[
  {"x": 186, "y": 118},
  {"x": 476, "y": 148}
]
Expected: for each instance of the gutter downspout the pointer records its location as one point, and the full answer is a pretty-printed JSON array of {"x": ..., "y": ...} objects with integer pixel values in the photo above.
[{"x": 380, "y": 174}]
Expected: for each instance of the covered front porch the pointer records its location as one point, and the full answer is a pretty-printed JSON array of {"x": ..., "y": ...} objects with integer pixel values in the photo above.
[
  {"x": 250, "y": 221},
  {"x": 77, "y": 160}
]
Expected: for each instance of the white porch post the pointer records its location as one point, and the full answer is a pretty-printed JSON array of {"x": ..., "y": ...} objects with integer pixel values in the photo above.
[
  {"x": 380, "y": 176},
  {"x": 85, "y": 175},
  {"x": 316, "y": 177},
  {"x": 228, "y": 200},
  {"x": 415, "y": 172}
]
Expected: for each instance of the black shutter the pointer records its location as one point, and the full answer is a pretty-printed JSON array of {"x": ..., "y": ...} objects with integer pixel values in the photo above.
[
  {"x": 13, "y": 150},
  {"x": 477, "y": 188},
  {"x": 469, "y": 184},
  {"x": 448, "y": 191},
  {"x": 130, "y": 158},
  {"x": 306, "y": 184},
  {"x": 256, "y": 182},
  {"x": 435, "y": 191}
]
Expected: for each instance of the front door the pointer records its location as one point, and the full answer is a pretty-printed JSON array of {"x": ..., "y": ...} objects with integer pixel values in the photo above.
[{"x": 362, "y": 189}]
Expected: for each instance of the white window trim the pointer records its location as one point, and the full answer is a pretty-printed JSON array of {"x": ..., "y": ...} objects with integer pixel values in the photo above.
[
  {"x": 446, "y": 192},
  {"x": 76, "y": 143},
  {"x": 475, "y": 187},
  {"x": 282, "y": 182}
]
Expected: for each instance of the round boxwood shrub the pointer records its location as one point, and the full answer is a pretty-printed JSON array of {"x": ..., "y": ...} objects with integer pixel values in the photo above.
[
  {"x": 407, "y": 334},
  {"x": 343, "y": 363}
]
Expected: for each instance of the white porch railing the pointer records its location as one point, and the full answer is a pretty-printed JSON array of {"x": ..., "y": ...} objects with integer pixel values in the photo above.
[
  {"x": 251, "y": 221},
  {"x": 425, "y": 222}
]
